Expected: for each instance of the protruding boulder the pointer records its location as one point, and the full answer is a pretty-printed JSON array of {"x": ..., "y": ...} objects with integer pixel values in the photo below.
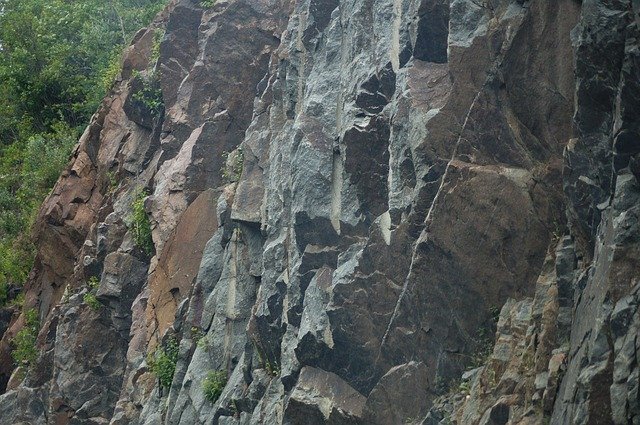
[
  {"x": 321, "y": 398},
  {"x": 400, "y": 397}
]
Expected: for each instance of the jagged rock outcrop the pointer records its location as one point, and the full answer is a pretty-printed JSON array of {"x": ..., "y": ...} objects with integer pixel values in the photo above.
[{"x": 362, "y": 212}]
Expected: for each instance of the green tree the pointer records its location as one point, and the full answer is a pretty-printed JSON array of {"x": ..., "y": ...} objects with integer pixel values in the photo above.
[
  {"x": 53, "y": 54},
  {"x": 57, "y": 59}
]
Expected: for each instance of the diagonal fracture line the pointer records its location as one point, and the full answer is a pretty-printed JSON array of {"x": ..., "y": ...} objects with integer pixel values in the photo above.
[
  {"x": 420, "y": 239},
  {"x": 427, "y": 221}
]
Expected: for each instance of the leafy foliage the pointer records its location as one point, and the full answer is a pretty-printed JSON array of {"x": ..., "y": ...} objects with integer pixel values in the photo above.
[
  {"x": 234, "y": 164},
  {"x": 162, "y": 363},
  {"x": 110, "y": 73},
  {"x": 28, "y": 170},
  {"x": 94, "y": 282},
  {"x": 91, "y": 300},
  {"x": 272, "y": 368},
  {"x": 150, "y": 95},
  {"x": 213, "y": 384},
  {"x": 90, "y": 297},
  {"x": 25, "y": 351},
  {"x": 57, "y": 60},
  {"x": 54, "y": 53},
  {"x": 207, "y": 3},
  {"x": 196, "y": 334},
  {"x": 155, "y": 49},
  {"x": 140, "y": 224}
]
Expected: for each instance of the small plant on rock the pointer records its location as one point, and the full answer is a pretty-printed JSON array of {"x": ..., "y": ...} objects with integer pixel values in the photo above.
[
  {"x": 66, "y": 295},
  {"x": 464, "y": 387},
  {"x": 204, "y": 343},
  {"x": 233, "y": 165},
  {"x": 272, "y": 368},
  {"x": 150, "y": 94},
  {"x": 91, "y": 300},
  {"x": 93, "y": 282},
  {"x": 111, "y": 72},
  {"x": 158, "y": 35},
  {"x": 25, "y": 351},
  {"x": 440, "y": 385},
  {"x": 196, "y": 334},
  {"x": 18, "y": 301},
  {"x": 140, "y": 224},
  {"x": 90, "y": 297},
  {"x": 113, "y": 181},
  {"x": 162, "y": 363},
  {"x": 213, "y": 384}
]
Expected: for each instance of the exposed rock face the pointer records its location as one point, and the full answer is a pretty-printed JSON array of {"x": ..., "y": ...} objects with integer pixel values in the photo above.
[{"x": 344, "y": 197}]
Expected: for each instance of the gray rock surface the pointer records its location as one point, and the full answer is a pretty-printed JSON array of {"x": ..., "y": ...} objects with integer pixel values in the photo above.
[{"x": 363, "y": 212}]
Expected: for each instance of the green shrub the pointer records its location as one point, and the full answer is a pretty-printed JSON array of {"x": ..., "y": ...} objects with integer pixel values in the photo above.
[
  {"x": 207, "y": 3},
  {"x": 213, "y": 384},
  {"x": 28, "y": 170},
  {"x": 203, "y": 343},
  {"x": 93, "y": 282},
  {"x": 272, "y": 368},
  {"x": 25, "y": 351},
  {"x": 18, "y": 301},
  {"x": 233, "y": 165},
  {"x": 113, "y": 181},
  {"x": 91, "y": 300},
  {"x": 162, "y": 363},
  {"x": 4, "y": 293},
  {"x": 111, "y": 71},
  {"x": 196, "y": 334},
  {"x": 140, "y": 224},
  {"x": 150, "y": 95},
  {"x": 158, "y": 35}
]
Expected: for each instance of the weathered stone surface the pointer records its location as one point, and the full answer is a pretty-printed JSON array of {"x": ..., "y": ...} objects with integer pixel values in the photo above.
[
  {"x": 588, "y": 166},
  {"x": 178, "y": 265},
  {"x": 321, "y": 397},
  {"x": 359, "y": 214},
  {"x": 23, "y": 406},
  {"x": 388, "y": 404}
]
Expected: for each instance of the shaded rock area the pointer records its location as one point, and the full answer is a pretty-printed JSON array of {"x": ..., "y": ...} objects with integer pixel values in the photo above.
[{"x": 359, "y": 212}]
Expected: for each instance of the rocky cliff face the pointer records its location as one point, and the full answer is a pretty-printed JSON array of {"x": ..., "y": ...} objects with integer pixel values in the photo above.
[{"x": 362, "y": 212}]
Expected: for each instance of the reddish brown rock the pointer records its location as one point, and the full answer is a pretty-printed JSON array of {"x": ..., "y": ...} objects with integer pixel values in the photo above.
[{"x": 178, "y": 265}]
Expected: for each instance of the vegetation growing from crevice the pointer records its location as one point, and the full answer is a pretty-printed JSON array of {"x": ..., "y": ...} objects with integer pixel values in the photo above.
[
  {"x": 213, "y": 384},
  {"x": 25, "y": 352},
  {"x": 90, "y": 298},
  {"x": 111, "y": 72},
  {"x": 207, "y": 3},
  {"x": 272, "y": 368},
  {"x": 233, "y": 165},
  {"x": 204, "y": 343},
  {"x": 484, "y": 341},
  {"x": 162, "y": 362},
  {"x": 197, "y": 334},
  {"x": 140, "y": 225},
  {"x": 58, "y": 58},
  {"x": 158, "y": 35},
  {"x": 150, "y": 93}
]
